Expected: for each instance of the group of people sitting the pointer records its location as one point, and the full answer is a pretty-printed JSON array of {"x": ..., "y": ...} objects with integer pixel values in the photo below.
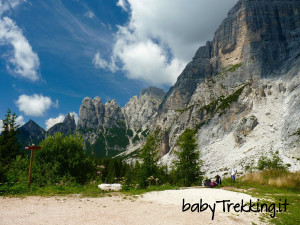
[{"x": 210, "y": 183}]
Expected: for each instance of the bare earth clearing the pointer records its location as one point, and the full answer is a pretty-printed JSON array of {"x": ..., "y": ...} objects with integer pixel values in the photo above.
[{"x": 163, "y": 207}]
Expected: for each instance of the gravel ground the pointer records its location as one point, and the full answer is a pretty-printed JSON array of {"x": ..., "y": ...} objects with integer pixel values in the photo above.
[{"x": 163, "y": 207}]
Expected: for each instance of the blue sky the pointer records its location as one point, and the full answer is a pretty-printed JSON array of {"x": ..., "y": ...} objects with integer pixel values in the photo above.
[{"x": 54, "y": 53}]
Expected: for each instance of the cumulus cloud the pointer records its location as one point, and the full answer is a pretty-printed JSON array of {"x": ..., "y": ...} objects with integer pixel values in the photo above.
[
  {"x": 161, "y": 37},
  {"x": 59, "y": 119},
  {"x": 52, "y": 121},
  {"x": 23, "y": 61},
  {"x": 34, "y": 105},
  {"x": 89, "y": 14}
]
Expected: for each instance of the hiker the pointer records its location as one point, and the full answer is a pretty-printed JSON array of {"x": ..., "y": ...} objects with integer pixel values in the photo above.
[
  {"x": 218, "y": 180},
  {"x": 207, "y": 182},
  {"x": 233, "y": 173}
]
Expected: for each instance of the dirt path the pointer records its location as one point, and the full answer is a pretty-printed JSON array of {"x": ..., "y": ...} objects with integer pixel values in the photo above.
[{"x": 152, "y": 208}]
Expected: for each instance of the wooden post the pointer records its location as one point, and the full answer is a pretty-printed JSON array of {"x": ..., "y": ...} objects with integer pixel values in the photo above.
[{"x": 32, "y": 148}]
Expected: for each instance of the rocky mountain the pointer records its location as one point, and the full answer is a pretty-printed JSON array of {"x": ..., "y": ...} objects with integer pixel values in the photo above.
[
  {"x": 109, "y": 130},
  {"x": 67, "y": 127},
  {"x": 240, "y": 93},
  {"x": 241, "y": 90},
  {"x": 30, "y": 133}
]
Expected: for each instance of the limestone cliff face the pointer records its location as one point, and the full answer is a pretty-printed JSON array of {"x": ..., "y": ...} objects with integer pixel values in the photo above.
[
  {"x": 252, "y": 61},
  {"x": 140, "y": 112},
  {"x": 108, "y": 129},
  {"x": 113, "y": 114},
  {"x": 91, "y": 113},
  {"x": 260, "y": 34}
]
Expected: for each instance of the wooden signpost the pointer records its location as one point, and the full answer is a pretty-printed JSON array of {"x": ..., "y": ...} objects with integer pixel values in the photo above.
[{"x": 32, "y": 148}]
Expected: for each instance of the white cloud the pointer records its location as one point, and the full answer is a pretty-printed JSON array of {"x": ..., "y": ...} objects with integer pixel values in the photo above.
[
  {"x": 123, "y": 4},
  {"x": 20, "y": 120},
  {"x": 161, "y": 37},
  {"x": 99, "y": 62},
  {"x": 23, "y": 61},
  {"x": 34, "y": 105},
  {"x": 89, "y": 14},
  {"x": 52, "y": 121}
]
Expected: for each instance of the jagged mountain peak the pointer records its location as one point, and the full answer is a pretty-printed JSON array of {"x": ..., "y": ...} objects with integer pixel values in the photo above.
[
  {"x": 32, "y": 126},
  {"x": 68, "y": 126},
  {"x": 151, "y": 90}
]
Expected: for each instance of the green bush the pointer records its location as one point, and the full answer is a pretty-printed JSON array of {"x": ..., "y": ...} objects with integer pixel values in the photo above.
[
  {"x": 62, "y": 159},
  {"x": 275, "y": 162}
]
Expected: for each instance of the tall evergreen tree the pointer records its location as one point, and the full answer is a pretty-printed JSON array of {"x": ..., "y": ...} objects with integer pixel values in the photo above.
[
  {"x": 9, "y": 145},
  {"x": 149, "y": 159},
  {"x": 188, "y": 165}
]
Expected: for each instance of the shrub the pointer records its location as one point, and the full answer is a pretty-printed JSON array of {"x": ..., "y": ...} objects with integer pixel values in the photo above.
[
  {"x": 62, "y": 159},
  {"x": 275, "y": 162}
]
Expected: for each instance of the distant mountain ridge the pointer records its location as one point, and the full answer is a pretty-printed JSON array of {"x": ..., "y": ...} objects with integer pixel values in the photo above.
[{"x": 107, "y": 128}]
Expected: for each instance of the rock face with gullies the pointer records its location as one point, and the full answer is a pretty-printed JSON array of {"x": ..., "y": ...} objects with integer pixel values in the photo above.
[
  {"x": 67, "y": 127},
  {"x": 250, "y": 68},
  {"x": 102, "y": 126},
  {"x": 113, "y": 114},
  {"x": 140, "y": 112},
  {"x": 90, "y": 112},
  {"x": 258, "y": 36},
  {"x": 108, "y": 129}
]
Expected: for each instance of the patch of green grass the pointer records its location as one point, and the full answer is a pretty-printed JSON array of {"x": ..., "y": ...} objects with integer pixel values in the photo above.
[
  {"x": 268, "y": 193},
  {"x": 230, "y": 69},
  {"x": 184, "y": 110},
  {"x": 226, "y": 103},
  {"x": 19, "y": 190}
]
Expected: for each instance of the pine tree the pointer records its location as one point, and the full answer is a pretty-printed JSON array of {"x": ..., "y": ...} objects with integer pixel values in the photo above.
[
  {"x": 149, "y": 159},
  {"x": 188, "y": 165},
  {"x": 9, "y": 145}
]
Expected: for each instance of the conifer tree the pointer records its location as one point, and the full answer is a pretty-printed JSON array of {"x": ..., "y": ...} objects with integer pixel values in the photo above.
[
  {"x": 188, "y": 165},
  {"x": 9, "y": 145},
  {"x": 149, "y": 160}
]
